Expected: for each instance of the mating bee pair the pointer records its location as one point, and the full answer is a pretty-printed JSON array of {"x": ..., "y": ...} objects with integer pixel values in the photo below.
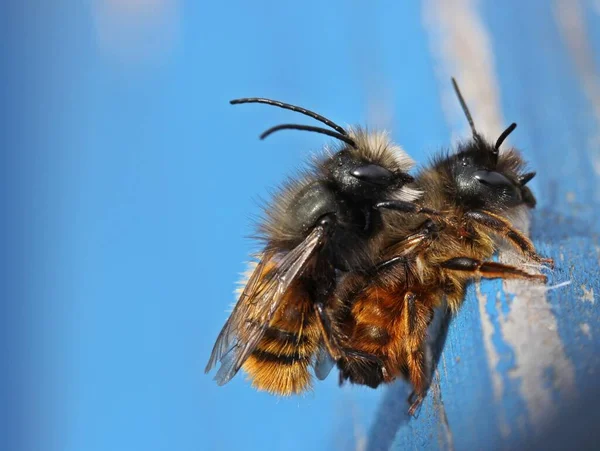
[{"x": 358, "y": 254}]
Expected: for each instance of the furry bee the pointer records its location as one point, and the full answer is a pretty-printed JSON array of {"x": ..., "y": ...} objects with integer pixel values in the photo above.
[
  {"x": 385, "y": 312},
  {"x": 321, "y": 223}
]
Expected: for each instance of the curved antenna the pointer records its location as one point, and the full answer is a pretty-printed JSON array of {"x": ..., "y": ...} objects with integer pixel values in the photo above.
[
  {"x": 465, "y": 109},
  {"x": 297, "y": 109},
  {"x": 309, "y": 128},
  {"x": 504, "y": 135}
]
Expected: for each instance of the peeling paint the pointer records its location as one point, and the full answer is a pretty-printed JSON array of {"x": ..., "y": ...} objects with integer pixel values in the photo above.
[
  {"x": 536, "y": 349},
  {"x": 360, "y": 436},
  {"x": 461, "y": 43},
  {"x": 446, "y": 441},
  {"x": 530, "y": 327},
  {"x": 588, "y": 295},
  {"x": 504, "y": 429},
  {"x": 490, "y": 350},
  {"x": 444, "y": 365},
  {"x": 585, "y": 328},
  {"x": 570, "y": 17},
  {"x": 462, "y": 47},
  {"x": 492, "y": 358}
]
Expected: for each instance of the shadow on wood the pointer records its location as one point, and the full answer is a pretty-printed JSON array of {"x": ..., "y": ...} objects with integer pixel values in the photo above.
[{"x": 392, "y": 414}]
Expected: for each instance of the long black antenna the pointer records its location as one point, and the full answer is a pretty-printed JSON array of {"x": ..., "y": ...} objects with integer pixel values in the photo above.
[
  {"x": 309, "y": 128},
  {"x": 465, "y": 109},
  {"x": 295, "y": 108},
  {"x": 504, "y": 135}
]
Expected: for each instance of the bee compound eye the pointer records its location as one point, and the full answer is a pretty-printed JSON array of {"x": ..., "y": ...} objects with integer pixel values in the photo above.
[
  {"x": 373, "y": 173},
  {"x": 492, "y": 178}
]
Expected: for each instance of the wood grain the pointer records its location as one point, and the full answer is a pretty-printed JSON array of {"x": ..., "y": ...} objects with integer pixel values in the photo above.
[{"x": 520, "y": 362}]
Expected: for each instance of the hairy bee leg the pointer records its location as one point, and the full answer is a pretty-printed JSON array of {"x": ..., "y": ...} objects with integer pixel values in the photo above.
[
  {"x": 389, "y": 263},
  {"x": 411, "y": 244},
  {"x": 336, "y": 351},
  {"x": 416, "y": 319},
  {"x": 418, "y": 240},
  {"x": 504, "y": 228},
  {"x": 324, "y": 323},
  {"x": 415, "y": 400},
  {"x": 406, "y": 207},
  {"x": 490, "y": 270}
]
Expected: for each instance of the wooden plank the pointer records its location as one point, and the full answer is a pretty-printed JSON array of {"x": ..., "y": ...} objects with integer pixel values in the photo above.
[
  {"x": 130, "y": 178},
  {"x": 517, "y": 357}
]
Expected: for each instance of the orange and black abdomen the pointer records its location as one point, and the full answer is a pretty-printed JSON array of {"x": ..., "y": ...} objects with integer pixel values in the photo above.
[
  {"x": 373, "y": 312},
  {"x": 388, "y": 321},
  {"x": 280, "y": 363},
  {"x": 369, "y": 328}
]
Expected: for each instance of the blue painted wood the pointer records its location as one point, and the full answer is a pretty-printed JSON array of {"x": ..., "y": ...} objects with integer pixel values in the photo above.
[
  {"x": 542, "y": 348},
  {"x": 121, "y": 152}
]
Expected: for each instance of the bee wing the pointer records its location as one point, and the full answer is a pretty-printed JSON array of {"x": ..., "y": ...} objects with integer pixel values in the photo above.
[
  {"x": 261, "y": 296},
  {"x": 227, "y": 336},
  {"x": 323, "y": 363}
]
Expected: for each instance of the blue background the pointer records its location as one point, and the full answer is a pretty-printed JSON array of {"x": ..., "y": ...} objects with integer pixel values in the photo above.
[{"x": 129, "y": 184}]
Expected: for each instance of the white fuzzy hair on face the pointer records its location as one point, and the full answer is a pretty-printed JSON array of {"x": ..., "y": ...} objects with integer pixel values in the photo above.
[
  {"x": 406, "y": 193},
  {"x": 378, "y": 148}
]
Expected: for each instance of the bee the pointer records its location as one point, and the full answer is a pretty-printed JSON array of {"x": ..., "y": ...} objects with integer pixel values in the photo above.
[
  {"x": 385, "y": 312},
  {"x": 323, "y": 222}
]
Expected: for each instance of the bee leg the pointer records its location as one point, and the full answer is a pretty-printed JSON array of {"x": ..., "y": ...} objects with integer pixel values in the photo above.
[
  {"x": 415, "y": 400},
  {"x": 362, "y": 368},
  {"x": 406, "y": 207},
  {"x": 390, "y": 263},
  {"x": 410, "y": 245},
  {"x": 324, "y": 323},
  {"x": 338, "y": 352},
  {"x": 416, "y": 318},
  {"x": 502, "y": 227},
  {"x": 352, "y": 354},
  {"x": 490, "y": 270}
]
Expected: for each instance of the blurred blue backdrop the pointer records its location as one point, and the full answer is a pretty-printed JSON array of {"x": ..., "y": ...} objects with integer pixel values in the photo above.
[{"x": 130, "y": 182}]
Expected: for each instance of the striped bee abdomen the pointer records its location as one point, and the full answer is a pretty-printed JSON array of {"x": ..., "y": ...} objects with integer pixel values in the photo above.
[{"x": 280, "y": 363}]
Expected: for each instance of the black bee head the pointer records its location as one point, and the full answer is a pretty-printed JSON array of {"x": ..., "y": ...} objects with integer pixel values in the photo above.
[
  {"x": 367, "y": 167},
  {"x": 360, "y": 178},
  {"x": 485, "y": 179},
  {"x": 372, "y": 167},
  {"x": 482, "y": 177}
]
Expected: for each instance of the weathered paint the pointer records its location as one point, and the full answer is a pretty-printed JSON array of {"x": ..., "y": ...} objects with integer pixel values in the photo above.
[{"x": 518, "y": 357}]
